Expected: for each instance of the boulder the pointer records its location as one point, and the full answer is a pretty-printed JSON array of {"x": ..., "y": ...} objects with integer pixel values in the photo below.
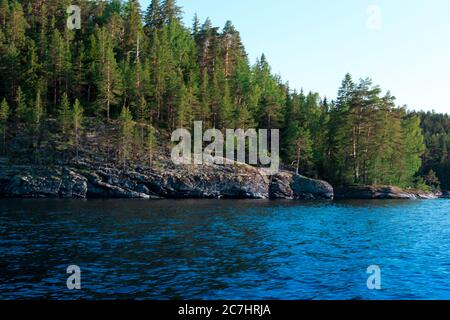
[
  {"x": 73, "y": 185},
  {"x": 33, "y": 186},
  {"x": 209, "y": 181},
  {"x": 286, "y": 185}
]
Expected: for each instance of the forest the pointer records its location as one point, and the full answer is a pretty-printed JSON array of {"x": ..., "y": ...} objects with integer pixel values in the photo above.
[{"x": 146, "y": 71}]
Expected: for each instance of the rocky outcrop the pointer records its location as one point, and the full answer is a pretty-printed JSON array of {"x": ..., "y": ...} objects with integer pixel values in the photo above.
[
  {"x": 380, "y": 192},
  {"x": 226, "y": 181},
  {"x": 85, "y": 179},
  {"x": 89, "y": 180},
  {"x": 23, "y": 181},
  {"x": 286, "y": 185}
]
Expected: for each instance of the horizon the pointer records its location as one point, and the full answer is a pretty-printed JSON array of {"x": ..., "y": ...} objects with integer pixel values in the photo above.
[{"x": 393, "y": 50}]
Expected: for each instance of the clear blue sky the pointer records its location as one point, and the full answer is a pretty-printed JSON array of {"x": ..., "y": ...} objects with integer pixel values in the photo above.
[{"x": 313, "y": 43}]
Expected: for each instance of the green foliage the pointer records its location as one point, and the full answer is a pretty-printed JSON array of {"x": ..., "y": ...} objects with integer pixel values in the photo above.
[
  {"x": 22, "y": 113},
  {"x": 127, "y": 126},
  {"x": 109, "y": 81},
  {"x": 77, "y": 124},
  {"x": 4, "y": 116},
  {"x": 123, "y": 64},
  {"x": 151, "y": 143},
  {"x": 437, "y": 139},
  {"x": 370, "y": 140},
  {"x": 432, "y": 180},
  {"x": 64, "y": 117}
]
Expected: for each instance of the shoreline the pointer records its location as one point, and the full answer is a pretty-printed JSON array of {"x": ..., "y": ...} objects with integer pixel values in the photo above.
[{"x": 90, "y": 180}]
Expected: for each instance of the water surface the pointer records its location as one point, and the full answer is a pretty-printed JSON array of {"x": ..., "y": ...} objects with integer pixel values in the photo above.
[{"x": 227, "y": 249}]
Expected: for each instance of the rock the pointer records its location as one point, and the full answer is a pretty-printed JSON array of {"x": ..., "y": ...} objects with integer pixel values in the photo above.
[
  {"x": 380, "y": 192},
  {"x": 91, "y": 180},
  {"x": 285, "y": 185},
  {"x": 73, "y": 185},
  {"x": 33, "y": 186},
  {"x": 210, "y": 181},
  {"x": 99, "y": 189},
  {"x": 280, "y": 186}
]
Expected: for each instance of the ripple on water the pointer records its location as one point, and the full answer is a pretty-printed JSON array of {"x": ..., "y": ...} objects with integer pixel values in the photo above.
[{"x": 225, "y": 249}]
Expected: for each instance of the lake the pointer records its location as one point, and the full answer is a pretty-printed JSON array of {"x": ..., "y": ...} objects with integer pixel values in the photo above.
[{"x": 224, "y": 249}]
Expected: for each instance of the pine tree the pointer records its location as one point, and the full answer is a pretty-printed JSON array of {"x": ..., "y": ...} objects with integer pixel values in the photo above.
[
  {"x": 232, "y": 49},
  {"x": 195, "y": 27},
  {"x": 142, "y": 116},
  {"x": 4, "y": 13},
  {"x": 17, "y": 25},
  {"x": 22, "y": 113},
  {"x": 432, "y": 180},
  {"x": 205, "y": 106},
  {"x": 127, "y": 124},
  {"x": 56, "y": 64},
  {"x": 170, "y": 11},
  {"x": 4, "y": 116},
  {"x": 109, "y": 82},
  {"x": 36, "y": 126},
  {"x": 153, "y": 17},
  {"x": 414, "y": 148},
  {"x": 184, "y": 110},
  {"x": 133, "y": 31},
  {"x": 151, "y": 143},
  {"x": 38, "y": 111},
  {"x": 33, "y": 70},
  {"x": 64, "y": 115},
  {"x": 77, "y": 124},
  {"x": 299, "y": 150},
  {"x": 339, "y": 134},
  {"x": 227, "y": 111}
]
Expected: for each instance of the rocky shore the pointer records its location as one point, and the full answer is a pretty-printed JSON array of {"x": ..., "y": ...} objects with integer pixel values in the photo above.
[
  {"x": 92, "y": 180},
  {"x": 382, "y": 192},
  {"x": 87, "y": 179}
]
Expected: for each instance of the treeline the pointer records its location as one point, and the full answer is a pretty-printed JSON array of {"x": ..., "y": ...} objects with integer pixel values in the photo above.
[
  {"x": 436, "y": 160},
  {"x": 147, "y": 69}
]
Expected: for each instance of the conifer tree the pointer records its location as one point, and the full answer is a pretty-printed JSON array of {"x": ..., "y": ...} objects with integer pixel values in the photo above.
[
  {"x": 4, "y": 116},
  {"x": 77, "y": 124},
  {"x": 153, "y": 18},
  {"x": 127, "y": 124},
  {"x": 432, "y": 180},
  {"x": 151, "y": 143},
  {"x": 22, "y": 113},
  {"x": 64, "y": 116},
  {"x": 170, "y": 11},
  {"x": 109, "y": 82}
]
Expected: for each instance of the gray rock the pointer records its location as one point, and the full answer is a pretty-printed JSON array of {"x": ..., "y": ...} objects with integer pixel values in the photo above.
[
  {"x": 99, "y": 189},
  {"x": 73, "y": 185},
  {"x": 213, "y": 181},
  {"x": 33, "y": 186},
  {"x": 380, "y": 192},
  {"x": 287, "y": 185}
]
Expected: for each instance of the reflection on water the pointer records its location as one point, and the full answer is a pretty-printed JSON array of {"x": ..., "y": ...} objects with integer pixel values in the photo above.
[{"x": 224, "y": 249}]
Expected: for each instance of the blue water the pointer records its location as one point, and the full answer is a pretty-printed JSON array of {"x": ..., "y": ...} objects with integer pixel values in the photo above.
[{"x": 224, "y": 249}]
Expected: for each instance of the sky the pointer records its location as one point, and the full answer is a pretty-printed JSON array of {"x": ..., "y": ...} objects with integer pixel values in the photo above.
[{"x": 403, "y": 45}]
